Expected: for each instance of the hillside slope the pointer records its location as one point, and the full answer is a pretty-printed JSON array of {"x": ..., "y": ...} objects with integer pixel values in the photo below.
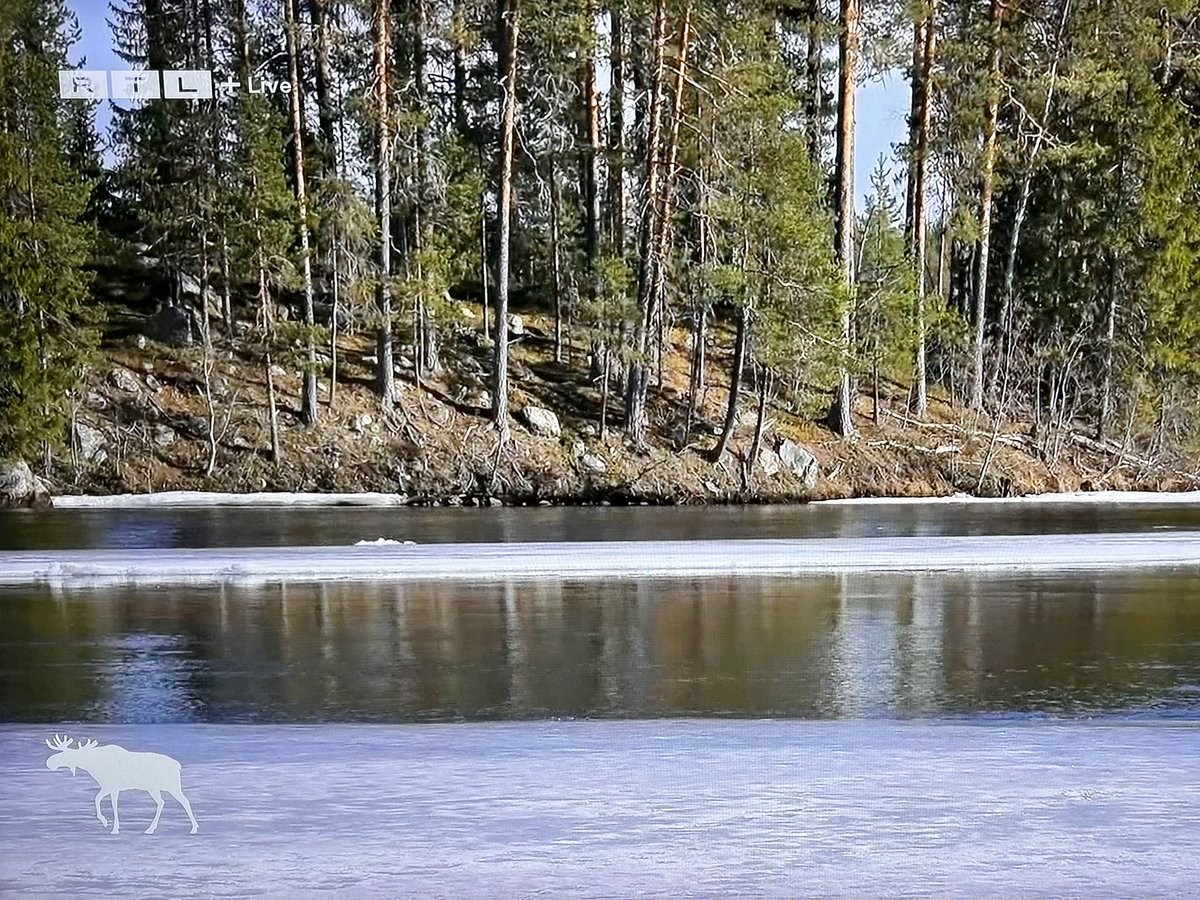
[{"x": 142, "y": 425}]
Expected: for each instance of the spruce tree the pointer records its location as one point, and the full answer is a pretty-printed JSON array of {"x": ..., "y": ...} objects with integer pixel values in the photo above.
[
  {"x": 886, "y": 288},
  {"x": 44, "y": 317}
]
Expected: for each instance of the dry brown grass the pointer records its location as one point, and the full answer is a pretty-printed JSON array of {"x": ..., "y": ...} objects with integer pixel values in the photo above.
[{"x": 437, "y": 447}]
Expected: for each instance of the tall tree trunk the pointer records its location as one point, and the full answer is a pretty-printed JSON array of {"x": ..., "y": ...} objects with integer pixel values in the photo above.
[
  {"x": 699, "y": 305},
  {"x": 842, "y": 413},
  {"x": 659, "y": 294},
  {"x": 267, "y": 318},
  {"x": 814, "y": 89},
  {"x": 988, "y": 184},
  {"x": 924, "y": 48},
  {"x": 735, "y": 384},
  {"x": 209, "y": 361},
  {"x": 556, "y": 259},
  {"x": 333, "y": 320},
  {"x": 327, "y": 108},
  {"x": 637, "y": 378},
  {"x": 764, "y": 388},
  {"x": 875, "y": 392},
  {"x": 458, "y": 27},
  {"x": 605, "y": 375},
  {"x": 226, "y": 289},
  {"x": 616, "y": 129},
  {"x": 484, "y": 258},
  {"x": 916, "y": 68},
  {"x": 427, "y": 353},
  {"x": 272, "y": 412},
  {"x": 1014, "y": 238},
  {"x": 590, "y": 157},
  {"x": 696, "y": 378},
  {"x": 510, "y": 27},
  {"x": 385, "y": 379},
  {"x": 696, "y": 369},
  {"x": 329, "y": 101},
  {"x": 1110, "y": 335},
  {"x": 308, "y": 394},
  {"x": 943, "y": 263},
  {"x": 333, "y": 131}
]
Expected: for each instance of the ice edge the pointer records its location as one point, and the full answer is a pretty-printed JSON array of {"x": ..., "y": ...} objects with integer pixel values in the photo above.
[{"x": 624, "y": 560}]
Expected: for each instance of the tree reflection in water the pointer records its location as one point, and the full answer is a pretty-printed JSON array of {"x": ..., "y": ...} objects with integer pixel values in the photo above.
[{"x": 826, "y": 647}]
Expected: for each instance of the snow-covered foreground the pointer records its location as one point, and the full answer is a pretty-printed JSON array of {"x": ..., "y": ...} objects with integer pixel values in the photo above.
[
  {"x": 641, "y": 559},
  {"x": 608, "y": 809}
]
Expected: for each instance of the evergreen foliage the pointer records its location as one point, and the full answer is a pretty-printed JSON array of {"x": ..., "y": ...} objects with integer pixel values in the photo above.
[
  {"x": 673, "y": 169},
  {"x": 45, "y": 332},
  {"x": 885, "y": 283}
]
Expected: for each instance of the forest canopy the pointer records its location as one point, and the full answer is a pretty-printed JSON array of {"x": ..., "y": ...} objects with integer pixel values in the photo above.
[{"x": 639, "y": 169}]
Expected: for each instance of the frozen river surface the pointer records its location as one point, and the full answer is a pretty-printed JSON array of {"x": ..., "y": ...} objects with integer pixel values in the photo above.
[
  {"x": 609, "y": 809},
  {"x": 605, "y": 559}
]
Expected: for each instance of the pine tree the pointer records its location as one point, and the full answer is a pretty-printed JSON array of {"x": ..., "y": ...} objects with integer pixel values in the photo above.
[
  {"x": 510, "y": 13},
  {"x": 638, "y": 378},
  {"x": 886, "y": 287},
  {"x": 44, "y": 319},
  {"x": 162, "y": 169},
  {"x": 262, "y": 223},
  {"x": 842, "y": 414},
  {"x": 986, "y": 192},
  {"x": 381, "y": 113},
  {"x": 308, "y": 392},
  {"x": 921, "y": 75},
  {"x": 773, "y": 265}
]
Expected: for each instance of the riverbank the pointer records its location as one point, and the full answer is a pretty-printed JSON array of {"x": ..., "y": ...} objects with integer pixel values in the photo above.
[
  {"x": 143, "y": 425},
  {"x": 374, "y": 500}
]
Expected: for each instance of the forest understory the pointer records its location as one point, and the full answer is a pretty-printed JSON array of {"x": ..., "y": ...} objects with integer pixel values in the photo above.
[{"x": 142, "y": 426}]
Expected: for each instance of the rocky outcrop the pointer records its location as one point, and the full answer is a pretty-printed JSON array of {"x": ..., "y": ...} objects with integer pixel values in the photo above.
[
  {"x": 593, "y": 464},
  {"x": 172, "y": 325},
  {"x": 19, "y": 486},
  {"x": 125, "y": 380},
  {"x": 768, "y": 461},
  {"x": 323, "y": 315},
  {"x": 799, "y": 462},
  {"x": 541, "y": 421},
  {"x": 162, "y": 435},
  {"x": 91, "y": 443}
]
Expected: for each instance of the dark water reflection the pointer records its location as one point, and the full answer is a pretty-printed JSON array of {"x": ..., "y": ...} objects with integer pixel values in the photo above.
[
  {"x": 266, "y": 527},
  {"x": 831, "y": 647}
]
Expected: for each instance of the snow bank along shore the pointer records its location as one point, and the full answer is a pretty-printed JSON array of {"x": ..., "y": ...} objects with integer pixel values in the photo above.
[{"x": 215, "y": 498}]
